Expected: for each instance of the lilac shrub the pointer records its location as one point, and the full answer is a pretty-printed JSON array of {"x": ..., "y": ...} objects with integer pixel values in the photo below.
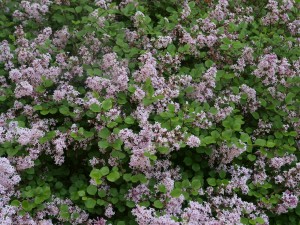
[{"x": 149, "y": 112}]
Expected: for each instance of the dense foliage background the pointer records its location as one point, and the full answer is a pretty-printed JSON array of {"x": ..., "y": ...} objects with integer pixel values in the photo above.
[{"x": 149, "y": 112}]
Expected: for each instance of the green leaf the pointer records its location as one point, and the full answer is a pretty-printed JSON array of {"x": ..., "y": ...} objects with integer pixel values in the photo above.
[
  {"x": 297, "y": 210},
  {"x": 150, "y": 156},
  {"x": 90, "y": 203},
  {"x": 95, "y": 107},
  {"x": 127, "y": 177},
  {"x": 107, "y": 104},
  {"x": 158, "y": 204},
  {"x": 227, "y": 134},
  {"x": 26, "y": 205},
  {"x": 196, "y": 167},
  {"x": 260, "y": 220},
  {"x": 171, "y": 49},
  {"x": 91, "y": 189},
  {"x": 15, "y": 203},
  {"x": 101, "y": 202},
  {"x": 209, "y": 140},
  {"x": 64, "y": 110},
  {"x": 112, "y": 124},
  {"x": 12, "y": 151},
  {"x": 88, "y": 134},
  {"x": 65, "y": 215},
  {"x": 244, "y": 220},
  {"x": 129, "y": 120},
  {"x": 121, "y": 223},
  {"x": 40, "y": 89},
  {"x": 171, "y": 107},
  {"x": 2, "y": 98},
  {"x": 113, "y": 176},
  {"x": 130, "y": 204},
  {"x": 293, "y": 133},
  {"x": 81, "y": 193},
  {"x": 37, "y": 107},
  {"x": 213, "y": 110},
  {"x": 229, "y": 76},
  {"x": 224, "y": 47},
  {"x": 251, "y": 157},
  {"x": 78, "y": 9},
  {"x": 211, "y": 181},
  {"x": 122, "y": 98},
  {"x": 289, "y": 98},
  {"x": 162, "y": 188},
  {"x": 97, "y": 71},
  {"x": 104, "y": 133},
  {"x": 58, "y": 185},
  {"x": 88, "y": 8},
  {"x": 196, "y": 184},
  {"x": 189, "y": 89},
  {"x": 117, "y": 144},
  {"x": 176, "y": 192},
  {"x": 131, "y": 89},
  {"x": 260, "y": 142},
  {"x": 163, "y": 150},
  {"x": 64, "y": 208},
  {"x": 95, "y": 174},
  {"x": 208, "y": 63},
  {"x": 104, "y": 170},
  {"x": 64, "y": 211},
  {"x": 222, "y": 174},
  {"x": 44, "y": 112},
  {"x": 101, "y": 193},
  {"x": 255, "y": 115},
  {"x": 270, "y": 144},
  {"x": 245, "y": 137},
  {"x": 38, "y": 200},
  {"x": 53, "y": 110},
  {"x": 118, "y": 154},
  {"x": 103, "y": 144},
  {"x": 48, "y": 83},
  {"x": 148, "y": 101}
]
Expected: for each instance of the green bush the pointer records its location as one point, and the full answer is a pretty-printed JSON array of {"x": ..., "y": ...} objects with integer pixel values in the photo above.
[{"x": 149, "y": 112}]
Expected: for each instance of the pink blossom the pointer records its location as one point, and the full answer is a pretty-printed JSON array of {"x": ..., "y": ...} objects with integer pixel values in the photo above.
[
  {"x": 109, "y": 212},
  {"x": 193, "y": 141},
  {"x": 23, "y": 89},
  {"x": 163, "y": 41}
]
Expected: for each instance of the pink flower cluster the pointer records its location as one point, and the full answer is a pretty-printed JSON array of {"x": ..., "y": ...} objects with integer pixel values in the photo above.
[
  {"x": 116, "y": 73},
  {"x": 148, "y": 139},
  {"x": 5, "y": 55},
  {"x": 277, "y": 12},
  {"x": 225, "y": 154},
  {"x": 204, "y": 89},
  {"x": 8, "y": 180},
  {"x": 33, "y": 10},
  {"x": 289, "y": 201},
  {"x": 273, "y": 70}
]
